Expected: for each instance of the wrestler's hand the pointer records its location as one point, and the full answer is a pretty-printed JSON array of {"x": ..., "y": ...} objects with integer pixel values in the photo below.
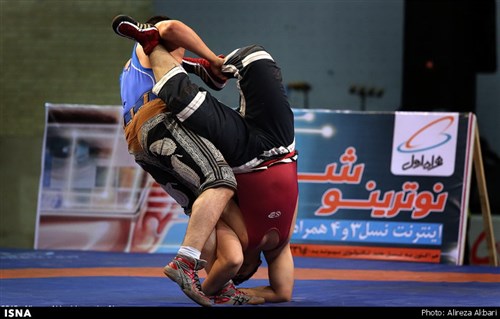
[{"x": 216, "y": 67}]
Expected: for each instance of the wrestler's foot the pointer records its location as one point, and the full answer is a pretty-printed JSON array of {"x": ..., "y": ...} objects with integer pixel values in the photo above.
[
  {"x": 230, "y": 295},
  {"x": 146, "y": 34},
  {"x": 184, "y": 271},
  {"x": 201, "y": 67}
]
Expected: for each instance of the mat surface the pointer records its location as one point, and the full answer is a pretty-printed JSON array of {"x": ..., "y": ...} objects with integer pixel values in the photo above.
[{"x": 72, "y": 279}]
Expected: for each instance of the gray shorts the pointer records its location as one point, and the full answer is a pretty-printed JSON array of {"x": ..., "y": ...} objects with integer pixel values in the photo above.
[{"x": 183, "y": 163}]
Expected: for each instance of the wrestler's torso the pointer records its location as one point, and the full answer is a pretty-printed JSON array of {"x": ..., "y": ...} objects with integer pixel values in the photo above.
[{"x": 135, "y": 80}]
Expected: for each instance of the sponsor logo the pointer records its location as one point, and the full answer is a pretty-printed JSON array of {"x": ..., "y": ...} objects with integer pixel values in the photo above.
[
  {"x": 275, "y": 214},
  {"x": 424, "y": 144}
]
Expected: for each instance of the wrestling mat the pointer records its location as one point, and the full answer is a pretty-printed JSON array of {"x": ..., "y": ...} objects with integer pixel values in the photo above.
[{"x": 65, "y": 282}]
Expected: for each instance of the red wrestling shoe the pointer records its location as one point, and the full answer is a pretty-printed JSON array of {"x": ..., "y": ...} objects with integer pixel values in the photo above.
[
  {"x": 201, "y": 68},
  {"x": 184, "y": 271},
  {"x": 230, "y": 295},
  {"x": 146, "y": 34}
]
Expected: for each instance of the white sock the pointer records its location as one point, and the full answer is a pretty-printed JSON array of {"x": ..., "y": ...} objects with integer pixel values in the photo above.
[{"x": 189, "y": 251}]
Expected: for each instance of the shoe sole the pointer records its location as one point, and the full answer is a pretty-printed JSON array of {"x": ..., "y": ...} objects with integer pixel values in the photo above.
[
  {"x": 120, "y": 19},
  {"x": 252, "y": 301},
  {"x": 173, "y": 275}
]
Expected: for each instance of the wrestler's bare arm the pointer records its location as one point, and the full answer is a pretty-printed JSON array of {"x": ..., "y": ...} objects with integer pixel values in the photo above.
[
  {"x": 179, "y": 35},
  {"x": 281, "y": 277}
]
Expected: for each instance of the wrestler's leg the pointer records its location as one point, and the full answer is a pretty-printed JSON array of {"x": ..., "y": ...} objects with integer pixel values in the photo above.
[
  {"x": 263, "y": 100},
  {"x": 205, "y": 213},
  {"x": 228, "y": 261},
  {"x": 161, "y": 61}
]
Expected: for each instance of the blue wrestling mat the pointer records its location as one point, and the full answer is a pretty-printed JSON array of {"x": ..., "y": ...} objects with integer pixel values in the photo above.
[{"x": 66, "y": 282}]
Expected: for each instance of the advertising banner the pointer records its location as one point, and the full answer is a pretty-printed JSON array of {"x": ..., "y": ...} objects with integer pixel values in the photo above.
[
  {"x": 93, "y": 196},
  {"x": 389, "y": 186},
  {"x": 383, "y": 185},
  {"x": 477, "y": 240}
]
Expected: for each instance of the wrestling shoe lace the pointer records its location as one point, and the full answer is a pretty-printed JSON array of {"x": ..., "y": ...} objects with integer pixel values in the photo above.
[{"x": 184, "y": 271}]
